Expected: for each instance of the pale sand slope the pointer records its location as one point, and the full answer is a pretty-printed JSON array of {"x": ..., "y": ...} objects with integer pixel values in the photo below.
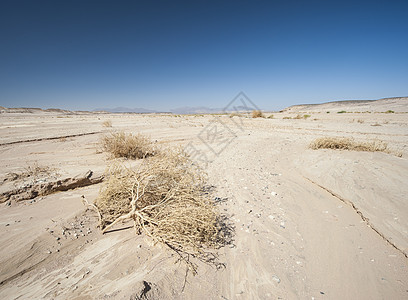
[{"x": 293, "y": 238}]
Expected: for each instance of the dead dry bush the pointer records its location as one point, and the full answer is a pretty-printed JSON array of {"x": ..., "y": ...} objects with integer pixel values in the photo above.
[
  {"x": 120, "y": 144},
  {"x": 349, "y": 144},
  {"x": 107, "y": 123},
  {"x": 257, "y": 114},
  {"x": 165, "y": 199}
]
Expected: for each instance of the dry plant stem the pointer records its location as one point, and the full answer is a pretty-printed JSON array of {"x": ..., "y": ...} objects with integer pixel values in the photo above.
[
  {"x": 133, "y": 212},
  {"x": 86, "y": 203}
]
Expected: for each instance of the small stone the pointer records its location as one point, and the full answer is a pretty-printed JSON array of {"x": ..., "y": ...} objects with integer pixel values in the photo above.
[
  {"x": 7, "y": 224},
  {"x": 58, "y": 238},
  {"x": 274, "y": 193},
  {"x": 276, "y": 279},
  {"x": 282, "y": 224}
]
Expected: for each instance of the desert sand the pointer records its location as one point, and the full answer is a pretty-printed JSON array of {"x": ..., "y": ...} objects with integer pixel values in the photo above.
[{"x": 308, "y": 224}]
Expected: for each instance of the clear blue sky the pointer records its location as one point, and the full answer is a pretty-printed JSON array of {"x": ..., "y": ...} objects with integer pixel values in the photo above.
[{"x": 159, "y": 55}]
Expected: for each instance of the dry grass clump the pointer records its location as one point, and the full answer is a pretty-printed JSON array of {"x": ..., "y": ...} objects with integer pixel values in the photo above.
[
  {"x": 107, "y": 123},
  {"x": 348, "y": 144},
  {"x": 165, "y": 199},
  {"x": 120, "y": 144},
  {"x": 257, "y": 114}
]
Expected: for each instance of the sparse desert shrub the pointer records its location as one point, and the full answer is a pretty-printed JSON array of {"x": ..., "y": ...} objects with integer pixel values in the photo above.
[
  {"x": 360, "y": 121},
  {"x": 257, "y": 114},
  {"x": 327, "y": 112},
  {"x": 165, "y": 199},
  {"x": 287, "y": 118},
  {"x": 306, "y": 116},
  {"x": 120, "y": 144},
  {"x": 348, "y": 144},
  {"x": 107, "y": 123},
  {"x": 299, "y": 116},
  {"x": 270, "y": 117},
  {"x": 341, "y": 112},
  {"x": 390, "y": 111}
]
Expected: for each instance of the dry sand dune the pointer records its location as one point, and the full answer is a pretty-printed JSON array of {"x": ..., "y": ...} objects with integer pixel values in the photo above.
[{"x": 308, "y": 224}]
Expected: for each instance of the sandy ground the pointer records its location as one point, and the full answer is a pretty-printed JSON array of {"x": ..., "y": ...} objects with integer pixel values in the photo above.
[{"x": 309, "y": 224}]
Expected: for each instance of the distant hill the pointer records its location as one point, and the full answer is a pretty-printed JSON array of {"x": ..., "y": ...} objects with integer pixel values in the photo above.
[
  {"x": 397, "y": 104},
  {"x": 31, "y": 110}
]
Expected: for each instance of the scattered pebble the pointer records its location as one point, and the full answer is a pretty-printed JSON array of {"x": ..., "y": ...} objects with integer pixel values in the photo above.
[
  {"x": 282, "y": 224},
  {"x": 276, "y": 278},
  {"x": 274, "y": 193}
]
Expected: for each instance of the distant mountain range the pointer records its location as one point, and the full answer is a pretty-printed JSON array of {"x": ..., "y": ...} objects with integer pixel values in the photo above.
[
  {"x": 397, "y": 104},
  {"x": 126, "y": 110},
  {"x": 180, "y": 110}
]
